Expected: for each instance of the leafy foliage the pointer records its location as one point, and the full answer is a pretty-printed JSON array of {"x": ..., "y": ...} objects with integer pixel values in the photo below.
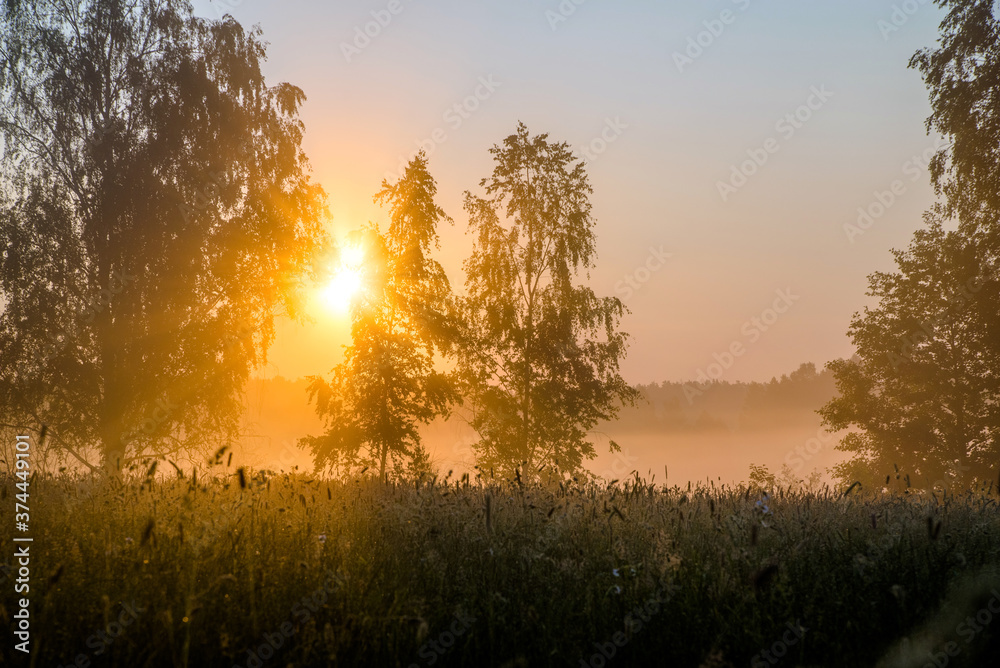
[
  {"x": 924, "y": 388},
  {"x": 540, "y": 356},
  {"x": 156, "y": 214},
  {"x": 962, "y": 75},
  {"x": 920, "y": 388},
  {"x": 387, "y": 384}
]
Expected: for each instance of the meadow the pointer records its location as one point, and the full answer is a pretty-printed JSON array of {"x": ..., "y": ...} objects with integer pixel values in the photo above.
[{"x": 257, "y": 569}]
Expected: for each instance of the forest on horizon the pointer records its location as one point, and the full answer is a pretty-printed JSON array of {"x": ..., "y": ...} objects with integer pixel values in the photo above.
[{"x": 782, "y": 411}]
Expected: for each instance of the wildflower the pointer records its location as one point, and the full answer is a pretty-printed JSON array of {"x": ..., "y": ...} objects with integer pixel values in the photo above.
[
  {"x": 128, "y": 540},
  {"x": 762, "y": 505},
  {"x": 615, "y": 572},
  {"x": 322, "y": 538},
  {"x": 764, "y": 509}
]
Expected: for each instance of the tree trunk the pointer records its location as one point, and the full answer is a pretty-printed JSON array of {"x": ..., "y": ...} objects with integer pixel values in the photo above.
[
  {"x": 112, "y": 449},
  {"x": 111, "y": 421},
  {"x": 381, "y": 468}
]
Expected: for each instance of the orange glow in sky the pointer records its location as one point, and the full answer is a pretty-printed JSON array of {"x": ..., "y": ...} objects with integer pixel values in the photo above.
[
  {"x": 347, "y": 281},
  {"x": 759, "y": 166}
]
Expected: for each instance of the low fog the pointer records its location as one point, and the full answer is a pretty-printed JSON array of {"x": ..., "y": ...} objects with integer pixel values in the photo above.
[{"x": 684, "y": 432}]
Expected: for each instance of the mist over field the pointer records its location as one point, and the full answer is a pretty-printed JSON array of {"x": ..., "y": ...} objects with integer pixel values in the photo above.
[{"x": 691, "y": 432}]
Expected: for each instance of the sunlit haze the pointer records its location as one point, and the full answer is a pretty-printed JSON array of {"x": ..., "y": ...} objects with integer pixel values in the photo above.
[
  {"x": 659, "y": 134},
  {"x": 347, "y": 280}
]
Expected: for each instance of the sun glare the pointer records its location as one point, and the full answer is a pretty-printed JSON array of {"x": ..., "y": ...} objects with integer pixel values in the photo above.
[{"x": 347, "y": 280}]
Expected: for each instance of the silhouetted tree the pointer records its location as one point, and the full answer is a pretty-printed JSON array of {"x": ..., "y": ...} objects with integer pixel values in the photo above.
[
  {"x": 155, "y": 213},
  {"x": 387, "y": 384},
  {"x": 963, "y": 77},
  {"x": 920, "y": 395},
  {"x": 541, "y": 353},
  {"x": 924, "y": 389}
]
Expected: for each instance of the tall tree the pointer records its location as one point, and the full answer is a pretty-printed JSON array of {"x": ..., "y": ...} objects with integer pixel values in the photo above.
[
  {"x": 963, "y": 78},
  {"x": 541, "y": 352},
  {"x": 388, "y": 383},
  {"x": 156, "y": 213},
  {"x": 923, "y": 392}
]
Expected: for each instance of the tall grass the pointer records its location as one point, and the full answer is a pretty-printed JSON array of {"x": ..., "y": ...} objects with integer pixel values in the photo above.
[{"x": 443, "y": 573}]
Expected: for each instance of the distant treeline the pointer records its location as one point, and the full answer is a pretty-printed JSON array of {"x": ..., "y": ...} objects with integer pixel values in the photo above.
[
  {"x": 687, "y": 407},
  {"x": 279, "y": 407}
]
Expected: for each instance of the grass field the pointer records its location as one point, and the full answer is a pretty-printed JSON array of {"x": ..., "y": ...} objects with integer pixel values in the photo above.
[{"x": 293, "y": 571}]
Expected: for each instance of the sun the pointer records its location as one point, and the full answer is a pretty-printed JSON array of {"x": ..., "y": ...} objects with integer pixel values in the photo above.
[
  {"x": 341, "y": 289},
  {"x": 347, "y": 280}
]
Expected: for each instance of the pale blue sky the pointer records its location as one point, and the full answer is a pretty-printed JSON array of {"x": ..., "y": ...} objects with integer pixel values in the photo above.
[{"x": 656, "y": 184}]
